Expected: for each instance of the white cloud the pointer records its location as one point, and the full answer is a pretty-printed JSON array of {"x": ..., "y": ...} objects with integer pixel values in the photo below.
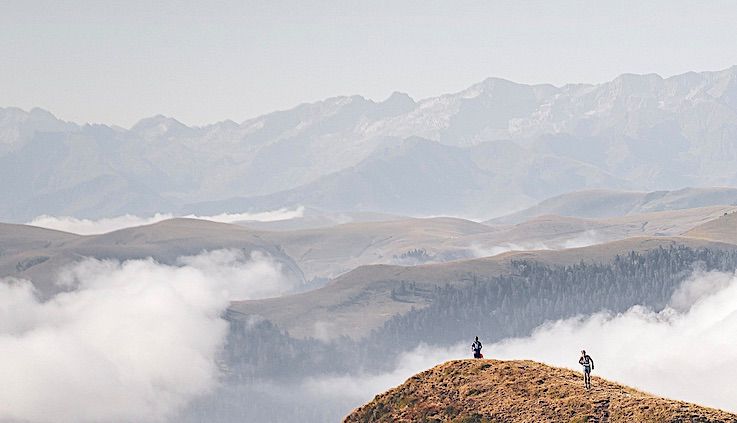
[
  {"x": 324, "y": 330},
  {"x": 267, "y": 216},
  {"x": 583, "y": 239},
  {"x": 133, "y": 341},
  {"x": 104, "y": 225},
  {"x": 89, "y": 227},
  {"x": 480, "y": 250},
  {"x": 240, "y": 276},
  {"x": 364, "y": 386}
]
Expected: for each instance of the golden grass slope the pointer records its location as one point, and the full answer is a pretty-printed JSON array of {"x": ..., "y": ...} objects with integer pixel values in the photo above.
[
  {"x": 723, "y": 228},
  {"x": 476, "y": 391}
]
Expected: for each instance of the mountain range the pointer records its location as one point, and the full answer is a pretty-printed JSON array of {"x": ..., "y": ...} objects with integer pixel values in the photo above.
[{"x": 491, "y": 149}]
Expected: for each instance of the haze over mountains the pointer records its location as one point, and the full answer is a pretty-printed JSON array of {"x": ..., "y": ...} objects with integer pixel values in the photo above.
[
  {"x": 493, "y": 148},
  {"x": 328, "y": 245}
]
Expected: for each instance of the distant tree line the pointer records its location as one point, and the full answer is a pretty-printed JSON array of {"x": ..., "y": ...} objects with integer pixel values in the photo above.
[{"x": 413, "y": 257}]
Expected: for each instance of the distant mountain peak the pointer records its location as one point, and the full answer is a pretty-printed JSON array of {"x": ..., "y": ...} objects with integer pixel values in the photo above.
[
  {"x": 35, "y": 113},
  {"x": 397, "y": 103},
  {"x": 490, "y": 85},
  {"x": 344, "y": 100},
  {"x": 158, "y": 125},
  {"x": 157, "y": 120},
  {"x": 398, "y": 96}
]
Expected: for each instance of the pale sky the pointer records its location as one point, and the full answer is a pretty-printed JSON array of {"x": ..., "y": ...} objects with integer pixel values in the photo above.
[{"x": 203, "y": 62}]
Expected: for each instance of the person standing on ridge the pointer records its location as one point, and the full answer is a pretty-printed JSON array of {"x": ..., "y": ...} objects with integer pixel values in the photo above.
[
  {"x": 588, "y": 365},
  {"x": 476, "y": 347}
]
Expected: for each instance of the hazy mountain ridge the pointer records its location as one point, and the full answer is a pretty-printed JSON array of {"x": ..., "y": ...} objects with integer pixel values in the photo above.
[
  {"x": 635, "y": 132},
  {"x": 419, "y": 176}
]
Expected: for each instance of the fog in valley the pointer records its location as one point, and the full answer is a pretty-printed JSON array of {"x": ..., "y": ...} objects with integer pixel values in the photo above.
[
  {"x": 126, "y": 341},
  {"x": 274, "y": 212},
  {"x": 101, "y": 226},
  {"x": 169, "y": 324}
]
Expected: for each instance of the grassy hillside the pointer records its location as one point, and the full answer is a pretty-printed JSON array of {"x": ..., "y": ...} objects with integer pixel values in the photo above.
[
  {"x": 329, "y": 252},
  {"x": 17, "y": 238},
  {"x": 612, "y": 203},
  {"x": 481, "y": 391},
  {"x": 723, "y": 228}
]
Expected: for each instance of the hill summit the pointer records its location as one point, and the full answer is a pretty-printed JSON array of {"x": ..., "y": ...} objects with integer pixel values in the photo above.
[{"x": 476, "y": 391}]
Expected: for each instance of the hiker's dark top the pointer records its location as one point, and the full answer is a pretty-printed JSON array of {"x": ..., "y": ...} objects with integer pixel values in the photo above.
[{"x": 586, "y": 361}]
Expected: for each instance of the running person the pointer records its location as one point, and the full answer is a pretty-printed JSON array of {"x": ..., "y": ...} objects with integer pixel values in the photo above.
[{"x": 588, "y": 365}]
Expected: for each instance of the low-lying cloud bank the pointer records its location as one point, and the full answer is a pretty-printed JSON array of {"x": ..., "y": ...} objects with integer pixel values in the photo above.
[
  {"x": 685, "y": 352},
  {"x": 104, "y": 225},
  {"x": 363, "y": 387},
  {"x": 132, "y": 341},
  {"x": 582, "y": 239},
  {"x": 137, "y": 341}
]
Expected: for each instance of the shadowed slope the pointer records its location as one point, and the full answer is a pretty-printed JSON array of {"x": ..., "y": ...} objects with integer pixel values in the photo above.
[{"x": 521, "y": 391}]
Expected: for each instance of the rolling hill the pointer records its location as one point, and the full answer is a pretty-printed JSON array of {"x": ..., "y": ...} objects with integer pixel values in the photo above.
[
  {"x": 329, "y": 252},
  {"x": 44, "y": 252},
  {"x": 325, "y": 252},
  {"x": 611, "y": 203},
  {"x": 480, "y": 391}
]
